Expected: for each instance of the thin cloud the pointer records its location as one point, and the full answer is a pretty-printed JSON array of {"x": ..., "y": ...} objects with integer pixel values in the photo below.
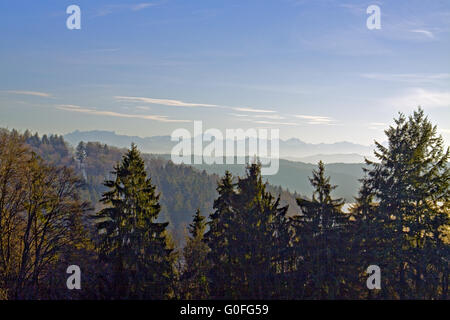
[
  {"x": 140, "y": 6},
  {"x": 276, "y": 123},
  {"x": 353, "y": 8},
  {"x": 30, "y": 93},
  {"x": 74, "y": 108},
  {"x": 269, "y": 116},
  {"x": 264, "y": 116},
  {"x": 427, "y": 33},
  {"x": 240, "y": 115},
  {"x": 109, "y": 9},
  {"x": 419, "y": 96},
  {"x": 166, "y": 102},
  {"x": 179, "y": 103},
  {"x": 407, "y": 77},
  {"x": 315, "y": 119},
  {"x": 253, "y": 110}
]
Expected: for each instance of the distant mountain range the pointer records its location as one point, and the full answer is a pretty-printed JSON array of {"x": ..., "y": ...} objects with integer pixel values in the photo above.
[
  {"x": 291, "y": 149},
  {"x": 344, "y": 160}
]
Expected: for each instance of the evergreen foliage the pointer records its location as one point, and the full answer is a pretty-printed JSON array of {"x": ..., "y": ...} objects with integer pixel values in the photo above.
[{"x": 132, "y": 242}]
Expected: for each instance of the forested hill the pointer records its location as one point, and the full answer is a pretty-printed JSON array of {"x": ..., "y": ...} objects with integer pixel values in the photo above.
[
  {"x": 182, "y": 188},
  {"x": 294, "y": 176},
  {"x": 251, "y": 248}
]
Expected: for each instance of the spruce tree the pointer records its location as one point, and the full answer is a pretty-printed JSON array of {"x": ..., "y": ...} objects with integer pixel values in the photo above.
[
  {"x": 255, "y": 241},
  {"x": 410, "y": 183},
  {"x": 363, "y": 240},
  {"x": 218, "y": 239},
  {"x": 132, "y": 242},
  {"x": 318, "y": 244},
  {"x": 194, "y": 280},
  {"x": 81, "y": 152},
  {"x": 245, "y": 236}
]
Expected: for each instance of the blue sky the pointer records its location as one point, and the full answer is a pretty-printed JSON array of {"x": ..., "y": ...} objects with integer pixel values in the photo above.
[{"x": 310, "y": 68}]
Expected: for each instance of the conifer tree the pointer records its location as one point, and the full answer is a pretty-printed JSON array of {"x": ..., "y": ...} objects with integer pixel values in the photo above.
[
  {"x": 245, "y": 239},
  {"x": 255, "y": 238},
  {"x": 81, "y": 152},
  {"x": 363, "y": 242},
  {"x": 218, "y": 239},
  {"x": 318, "y": 244},
  {"x": 194, "y": 279},
  {"x": 132, "y": 242},
  {"x": 410, "y": 183}
]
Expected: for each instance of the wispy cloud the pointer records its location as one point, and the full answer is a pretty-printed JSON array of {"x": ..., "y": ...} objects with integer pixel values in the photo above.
[
  {"x": 239, "y": 115},
  {"x": 252, "y": 110},
  {"x": 419, "y": 97},
  {"x": 275, "y": 123},
  {"x": 427, "y": 33},
  {"x": 165, "y": 102},
  {"x": 407, "y": 77},
  {"x": 109, "y": 9},
  {"x": 74, "y": 108},
  {"x": 29, "y": 93},
  {"x": 357, "y": 9},
  {"x": 179, "y": 103},
  {"x": 309, "y": 119},
  {"x": 315, "y": 119},
  {"x": 140, "y": 6},
  {"x": 269, "y": 116},
  {"x": 263, "y": 116}
]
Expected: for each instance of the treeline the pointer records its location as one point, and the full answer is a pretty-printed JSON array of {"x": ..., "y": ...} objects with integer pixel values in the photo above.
[
  {"x": 182, "y": 188},
  {"x": 248, "y": 247}
]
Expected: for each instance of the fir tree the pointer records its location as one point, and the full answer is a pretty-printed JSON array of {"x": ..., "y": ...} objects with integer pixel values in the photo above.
[
  {"x": 81, "y": 152},
  {"x": 218, "y": 239},
  {"x": 364, "y": 239},
  {"x": 410, "y": 183},
  {"x": 244, "y": 237},
  {"x": 132, "y": 241},
  {"x": 319, "y": 249},
  {"x": 255, "y": 240},
  {"x": 194, "y": 280}
]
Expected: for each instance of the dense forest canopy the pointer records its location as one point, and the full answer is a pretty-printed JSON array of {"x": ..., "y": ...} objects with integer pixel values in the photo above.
[
  {"x": 183, "y": 189},
  {"x": 141, "y": 227}
]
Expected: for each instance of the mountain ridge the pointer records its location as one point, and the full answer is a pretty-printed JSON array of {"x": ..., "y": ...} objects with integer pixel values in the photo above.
[{"x": 292, "y": 149}]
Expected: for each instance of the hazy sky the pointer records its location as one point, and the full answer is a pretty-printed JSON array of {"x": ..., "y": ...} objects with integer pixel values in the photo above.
[{"x": 310, "y": 68}]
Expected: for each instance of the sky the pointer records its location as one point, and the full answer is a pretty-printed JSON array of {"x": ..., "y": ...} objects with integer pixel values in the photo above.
[{"x": 311, "y": 69}]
